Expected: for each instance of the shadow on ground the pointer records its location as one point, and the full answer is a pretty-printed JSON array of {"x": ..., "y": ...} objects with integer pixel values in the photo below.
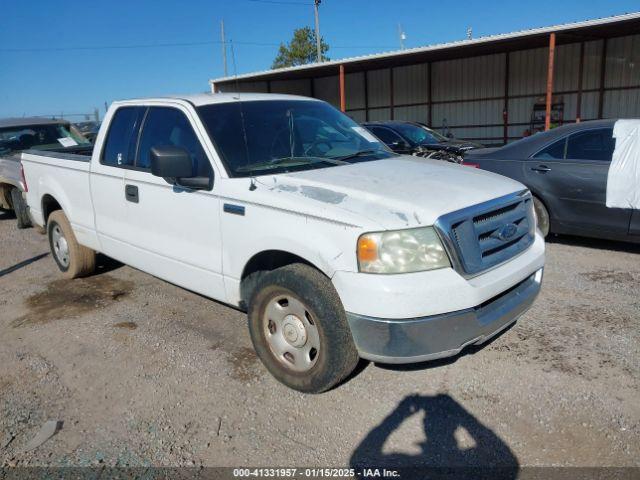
[
  {"x": 594, "y": 243},
  {"x": 455, "y": 439},
  {"x": 22, "y": 264},
  {"x": 7, "y": 214},
  {"x": 106, "y": 264}
]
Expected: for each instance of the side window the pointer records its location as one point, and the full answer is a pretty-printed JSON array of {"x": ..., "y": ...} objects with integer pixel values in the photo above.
[
  {"x": 555, "y": 151},
  {"x": 591, "y": 145},
  {"x": 120, "y": 144},
  {"x": 165, "y": 126},
  {"x": 387, "y": 135}
]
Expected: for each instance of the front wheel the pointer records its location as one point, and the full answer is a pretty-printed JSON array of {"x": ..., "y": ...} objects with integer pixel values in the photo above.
[
  {"x": 299, "y": 329},
  {"x": 72, "y": 259}
]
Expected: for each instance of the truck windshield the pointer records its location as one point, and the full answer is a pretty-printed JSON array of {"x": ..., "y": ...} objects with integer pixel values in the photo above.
[
  {"x": 275, "y": 136},
  {"x": 53, "y": 136}
]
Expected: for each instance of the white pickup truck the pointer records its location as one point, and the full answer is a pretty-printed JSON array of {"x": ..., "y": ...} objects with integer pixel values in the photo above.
[{"x": 283, "y": 206}]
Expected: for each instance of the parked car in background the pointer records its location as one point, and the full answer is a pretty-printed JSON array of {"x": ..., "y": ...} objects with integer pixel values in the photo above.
[
  {"x": 566, "y": 170},
  {"x": 414, "y": 138},
  {"x": 283, "y": 206},
  {"x": 19, "y": 134},
  {"x": 88, "y": 129}
]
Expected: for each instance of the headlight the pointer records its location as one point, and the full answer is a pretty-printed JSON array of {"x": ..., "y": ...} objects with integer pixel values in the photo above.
[{"x": 401, "y": 251}]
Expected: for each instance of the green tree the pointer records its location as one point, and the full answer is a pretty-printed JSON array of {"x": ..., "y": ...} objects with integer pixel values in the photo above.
[{"x": 300, "y": 50}]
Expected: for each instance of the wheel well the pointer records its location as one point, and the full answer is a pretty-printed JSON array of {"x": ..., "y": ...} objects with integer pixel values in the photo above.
[
  {"x": 49, "y": 205},
  {"x": 260, "y": 264},
  {"x": 543, "y": 202},
  {"x": 5, "y": 195}
]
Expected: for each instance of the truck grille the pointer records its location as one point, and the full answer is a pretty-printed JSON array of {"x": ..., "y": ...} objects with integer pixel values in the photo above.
[{"x": 485, "y": 235}]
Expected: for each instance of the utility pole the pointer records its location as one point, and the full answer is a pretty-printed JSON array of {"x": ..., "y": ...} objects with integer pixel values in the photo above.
[
  {"x": 469, "y": 33},
  {"x": 224, "y": 47},
  {"x": 401, "y": 36},
  {"x": 316, "y": 4}
]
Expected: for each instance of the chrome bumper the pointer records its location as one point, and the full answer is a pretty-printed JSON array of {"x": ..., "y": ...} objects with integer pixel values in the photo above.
[{"x": 428, "y": 338}]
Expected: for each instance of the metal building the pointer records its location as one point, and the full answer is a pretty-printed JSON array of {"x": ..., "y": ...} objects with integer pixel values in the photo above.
[{"x": 492, "y": 89}]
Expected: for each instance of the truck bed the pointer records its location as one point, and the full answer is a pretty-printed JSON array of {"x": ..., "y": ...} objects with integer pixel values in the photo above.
[{"x": 64, "y": 177}]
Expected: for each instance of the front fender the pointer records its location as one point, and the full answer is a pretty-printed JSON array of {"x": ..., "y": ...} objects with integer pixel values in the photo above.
[{"x": 328, "y": 246}]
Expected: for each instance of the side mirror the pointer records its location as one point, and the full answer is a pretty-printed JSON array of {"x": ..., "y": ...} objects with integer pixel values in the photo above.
[
  {"x": 171, "y": 162},
  {"x": 174, "y": 165}
]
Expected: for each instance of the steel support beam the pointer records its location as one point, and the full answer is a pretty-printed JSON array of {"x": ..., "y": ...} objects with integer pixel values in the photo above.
[
  {"x": 366, "y": 95},
  {"x": 343, "y": 97},
  {"x": 391, "y": 105},
  {"x": 580, "y": 74},
  {"x": 429, "y": 101},
  {"x": 603, "y": 67},
  {"x": 552, "y": 51},
  {"x": 505, "y": 111}
]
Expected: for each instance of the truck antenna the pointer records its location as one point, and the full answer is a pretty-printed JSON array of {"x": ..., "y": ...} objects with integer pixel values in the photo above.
[{"x": 252, "y": 186}]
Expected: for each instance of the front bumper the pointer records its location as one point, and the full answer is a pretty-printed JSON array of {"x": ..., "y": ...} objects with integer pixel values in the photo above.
[{"x": 427, "y": 338}]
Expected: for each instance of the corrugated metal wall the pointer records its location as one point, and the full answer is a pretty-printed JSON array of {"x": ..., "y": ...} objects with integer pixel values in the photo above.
[
  {"x": 247, "y": 87},
  {"x": 468, "y": 94},
  {"x": 327, "y": 89},
  {"x": 293, "y": 87}
]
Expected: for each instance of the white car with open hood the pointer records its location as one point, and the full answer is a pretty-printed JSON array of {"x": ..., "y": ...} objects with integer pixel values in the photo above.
[{"x": 338, "y": 248}]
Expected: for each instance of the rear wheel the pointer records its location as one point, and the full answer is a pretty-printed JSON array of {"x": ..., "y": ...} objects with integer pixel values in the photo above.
[
  {"x": 299, "y": 329},
  {"x": 20, "y": 209},
  {"x": 542, "y": 216},
  {"x": 72, "y": 259}
]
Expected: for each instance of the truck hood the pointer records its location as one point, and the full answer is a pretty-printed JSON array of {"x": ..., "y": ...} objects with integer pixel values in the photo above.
[{"x": 399, "y": 192}]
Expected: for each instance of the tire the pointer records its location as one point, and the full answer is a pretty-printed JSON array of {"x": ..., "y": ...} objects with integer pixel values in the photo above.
[
  {"x": 285, "y": 343},
  {"x": 542, "y": 216},
  {"x": 20, "y": 209},
  {"x": 72, "y": 259}
]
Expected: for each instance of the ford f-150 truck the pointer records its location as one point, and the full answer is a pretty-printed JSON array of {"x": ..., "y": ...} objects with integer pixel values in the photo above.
[{"x": 283, "y": 206}]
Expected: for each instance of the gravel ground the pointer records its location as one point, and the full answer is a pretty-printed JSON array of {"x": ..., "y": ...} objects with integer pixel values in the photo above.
[{"x": 140, "y": 372}]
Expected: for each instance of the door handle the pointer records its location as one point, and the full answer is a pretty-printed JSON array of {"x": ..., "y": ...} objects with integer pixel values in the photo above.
[
  {"x": 541, "y": 169},
  {"x": 131, "y": 193}
]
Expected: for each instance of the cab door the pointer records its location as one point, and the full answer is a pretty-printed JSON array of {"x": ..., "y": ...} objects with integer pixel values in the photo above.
[
  {"x": 173, "y": 232},
  {"x": 107, "y": 178}
]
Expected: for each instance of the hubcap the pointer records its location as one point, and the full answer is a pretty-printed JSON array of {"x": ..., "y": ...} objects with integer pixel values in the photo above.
[
  {"x": 60, "y": 246},
  {"x": 291, "y": 333}
]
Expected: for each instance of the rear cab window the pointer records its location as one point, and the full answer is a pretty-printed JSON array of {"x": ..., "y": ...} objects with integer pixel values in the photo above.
[{"x": 120, "y": 143}]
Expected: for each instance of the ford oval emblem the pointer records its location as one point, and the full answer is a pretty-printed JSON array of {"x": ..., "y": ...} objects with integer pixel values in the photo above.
[{"x": 507, "y": 231}]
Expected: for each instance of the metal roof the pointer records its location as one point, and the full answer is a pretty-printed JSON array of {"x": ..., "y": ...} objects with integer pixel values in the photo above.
[
  {"x": 26, "y": 121},
  {"x": 411, "y": 52}
]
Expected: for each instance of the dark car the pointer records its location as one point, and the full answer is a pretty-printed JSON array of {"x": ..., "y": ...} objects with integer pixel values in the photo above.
[
  {"x": 89, "y": 129},
  {"x": 415, "y": 138},
  {"x": 566, "y": 170}
]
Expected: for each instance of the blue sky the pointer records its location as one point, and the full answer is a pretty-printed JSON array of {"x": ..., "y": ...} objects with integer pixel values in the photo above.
[{"x": 41, "y": 82}]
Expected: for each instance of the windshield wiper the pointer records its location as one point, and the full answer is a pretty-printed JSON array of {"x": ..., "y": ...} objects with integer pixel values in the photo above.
[
  {"x": 278, "y": 162},
  {"x": 360, "y": 153}
]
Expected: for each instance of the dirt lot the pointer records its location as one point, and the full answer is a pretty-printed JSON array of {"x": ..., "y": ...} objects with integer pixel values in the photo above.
[{"x": 141, "y": 372}]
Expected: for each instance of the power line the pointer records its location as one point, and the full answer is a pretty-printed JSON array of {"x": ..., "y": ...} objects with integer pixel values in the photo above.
[
  {"x": 130, "y": 46},
  {"x": 168, "y": 45},
  {"x": 278, "y": 2}
]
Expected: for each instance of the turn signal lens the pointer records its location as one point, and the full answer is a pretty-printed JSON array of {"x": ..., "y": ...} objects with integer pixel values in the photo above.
[{"x": 367, "y": 249}]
